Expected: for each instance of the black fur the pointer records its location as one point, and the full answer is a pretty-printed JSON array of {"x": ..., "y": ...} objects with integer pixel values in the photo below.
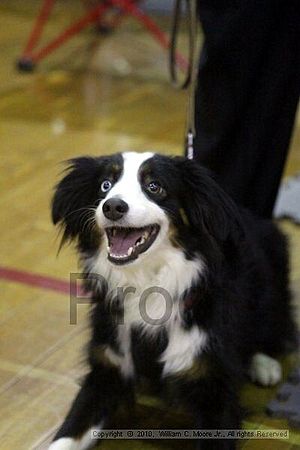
[
  {"x": 79, "y": 193},
  {"x": 243, "y": 303}
]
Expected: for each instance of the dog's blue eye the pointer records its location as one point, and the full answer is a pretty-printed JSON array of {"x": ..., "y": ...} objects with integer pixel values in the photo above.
[
  {"x": 154, "y": 188},
  {"x": 106, "y": 186}
]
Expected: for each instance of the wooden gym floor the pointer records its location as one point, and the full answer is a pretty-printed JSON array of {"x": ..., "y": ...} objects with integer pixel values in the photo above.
[{"x": 96, "y": 95}]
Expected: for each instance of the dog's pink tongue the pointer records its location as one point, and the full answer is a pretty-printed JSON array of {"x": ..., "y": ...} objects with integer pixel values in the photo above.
[{"x": 123, "y": 240}]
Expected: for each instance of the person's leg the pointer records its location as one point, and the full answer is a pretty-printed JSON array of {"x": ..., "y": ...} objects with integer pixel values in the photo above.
[{"x": 247, "y": 95}]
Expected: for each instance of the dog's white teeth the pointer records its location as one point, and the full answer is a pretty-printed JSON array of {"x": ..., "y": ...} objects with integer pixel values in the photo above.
[
  {"x": 108, "y": 249},
  {"x": 129, "y": 251},
  {"x": 113, "y": 232},
  {"x": 142, "y": 241},
  {"x": 118, "y": 256}
]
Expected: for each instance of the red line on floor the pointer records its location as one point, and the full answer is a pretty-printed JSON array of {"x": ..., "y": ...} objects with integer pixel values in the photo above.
[{"x": 34, "y": 279}]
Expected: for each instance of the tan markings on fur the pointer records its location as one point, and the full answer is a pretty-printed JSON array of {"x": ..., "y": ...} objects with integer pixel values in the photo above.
[
  {"x": 100, "y": 355},
  {"x": 184, "y": 217},
  {"x": 198, "y": 370},
  {"x": 146, "y": 173},
  {"x": 172, "y": 234},
  {"x": 115, "y": 169}
]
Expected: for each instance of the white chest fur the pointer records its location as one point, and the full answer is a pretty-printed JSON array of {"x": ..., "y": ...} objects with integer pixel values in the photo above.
[{"x": 152, "y": 290}]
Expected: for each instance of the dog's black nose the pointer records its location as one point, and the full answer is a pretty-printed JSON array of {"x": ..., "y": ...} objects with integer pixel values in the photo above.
[{"x": 114, "y": 208}]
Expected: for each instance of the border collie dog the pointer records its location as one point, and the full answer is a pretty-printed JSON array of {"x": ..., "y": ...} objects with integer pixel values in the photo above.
[{"x": 188, "y": 291}]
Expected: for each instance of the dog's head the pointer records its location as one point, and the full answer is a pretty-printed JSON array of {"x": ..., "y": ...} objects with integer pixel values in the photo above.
[{"x": 133, "y": 204}]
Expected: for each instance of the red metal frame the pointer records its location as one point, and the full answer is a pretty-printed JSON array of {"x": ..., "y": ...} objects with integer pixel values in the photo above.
[{"x": 95, "y": 15}]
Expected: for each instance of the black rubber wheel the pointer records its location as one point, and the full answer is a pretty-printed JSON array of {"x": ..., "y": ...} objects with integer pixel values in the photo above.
[{"x": 25, "y": 65}]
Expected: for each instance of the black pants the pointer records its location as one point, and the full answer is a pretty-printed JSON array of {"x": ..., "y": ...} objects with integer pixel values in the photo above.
[{"x": 247, "y": 95}]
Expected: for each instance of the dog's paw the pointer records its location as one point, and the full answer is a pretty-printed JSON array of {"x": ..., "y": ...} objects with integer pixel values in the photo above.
[
  {"x": 72, "y": 444},
  {"x": 64, "y": 444},
  {"x": 265, "y": 370},
  {"x": 85, "y": 442}
]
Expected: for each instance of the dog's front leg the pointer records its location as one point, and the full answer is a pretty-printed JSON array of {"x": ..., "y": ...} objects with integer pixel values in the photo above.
[
  {"x": 102, "y": 391},
  {"x": 219, "y": 414},
  {"x": 213, "y": 402}
]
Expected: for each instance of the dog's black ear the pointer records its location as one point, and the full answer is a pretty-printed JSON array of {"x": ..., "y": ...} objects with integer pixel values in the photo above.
[
  {"x": 75, "y": 196},
  {"x": 206, "y": 205}
]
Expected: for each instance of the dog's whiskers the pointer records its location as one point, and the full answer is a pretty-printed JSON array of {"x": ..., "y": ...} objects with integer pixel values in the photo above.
[{"x": 85, "y": 208}]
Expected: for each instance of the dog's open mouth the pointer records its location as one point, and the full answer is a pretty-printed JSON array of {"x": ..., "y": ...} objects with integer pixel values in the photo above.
[{"x": 125, "y": 244}]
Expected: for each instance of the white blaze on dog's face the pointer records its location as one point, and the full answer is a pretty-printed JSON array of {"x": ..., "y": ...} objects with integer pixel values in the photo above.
[
  {"x": 134, "y": 224},
  {"x": 142, "y": 204}
]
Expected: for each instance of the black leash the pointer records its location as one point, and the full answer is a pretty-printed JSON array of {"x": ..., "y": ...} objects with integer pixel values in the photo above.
[{"x": 190, "y": 78}]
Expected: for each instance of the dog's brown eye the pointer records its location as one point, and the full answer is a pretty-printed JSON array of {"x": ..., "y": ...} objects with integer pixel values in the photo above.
[
  {"x": 154, "y": 188},
  {"x": 106, "y": 185}
]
